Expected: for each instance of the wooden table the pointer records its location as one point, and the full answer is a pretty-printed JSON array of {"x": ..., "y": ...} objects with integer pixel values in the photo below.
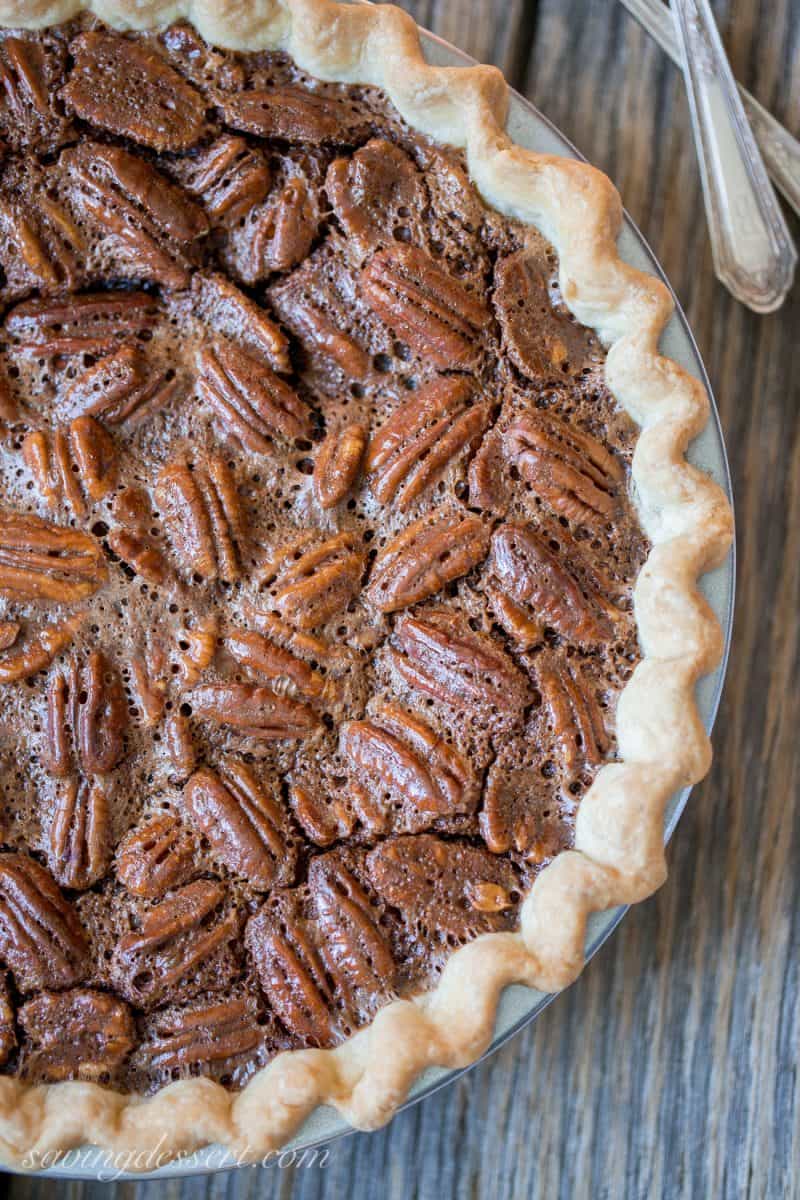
[{"x": 670, "y": 1068}]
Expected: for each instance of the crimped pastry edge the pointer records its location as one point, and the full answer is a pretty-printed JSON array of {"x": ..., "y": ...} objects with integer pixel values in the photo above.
[{"x": 619, "y": 854}]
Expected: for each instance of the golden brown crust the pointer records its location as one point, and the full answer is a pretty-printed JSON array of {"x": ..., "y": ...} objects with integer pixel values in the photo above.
[{"x": 618, "y": 856}]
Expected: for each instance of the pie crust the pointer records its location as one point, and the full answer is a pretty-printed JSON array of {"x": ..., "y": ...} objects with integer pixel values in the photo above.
[{"x": 618, "y": 856}]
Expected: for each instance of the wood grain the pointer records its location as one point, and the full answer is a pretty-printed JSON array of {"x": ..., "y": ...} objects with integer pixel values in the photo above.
[{"x": 670, "y": 1068}]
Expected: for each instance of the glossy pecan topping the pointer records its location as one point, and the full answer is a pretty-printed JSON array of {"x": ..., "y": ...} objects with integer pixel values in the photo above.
[
  {"x": 8, "y": 1033},
  {"x": 539, "y": 588},
  {"x": 156, "y": 856},
  {"x": 540, "y": 340},
  {"x": 575, "y": 716},
  {"x": 425, "y": 306},
  {"x": 291, "y": 972},
  {"x": 292, "y": 113},
  {"x": 374, "y": 193},
  {"x": 437, "y": 653},
  {"x": 132, "y": 539},
  {"x": 253, "y": 711},
  {"x": 38, "y": 650},
  {"x": 124, "y": 86},
  {"x": 425, "y": 557},
  {"x": 93, "y": 323},
  {"x": 30, "y": 68},
  {"x": 225, "y": 310},
  {"x": 87, "y": 717},
  {"x": 567, "y": 468},
  {"x": 249, "y": 400},
  {"x": 41, "y": 938},
  {"x": 75, "y": 466},
  {"x": 308, "y": 586},
  {"x": 221, "y": 1035},
  {"x": 354, "y": 947},
  {"x": 439, "y": 886},
  {"x": 176, "y": 941},
  {"x": 279, "y": 234},
  {"x": 42, "y": 247},
  {"x": 322, "y": 819},
  {"x": 79, "y": 847},
  {"x": 80, "y": 1034},
  {"x": 228, "y": 178},
  {"x": 203, "y": 518},
  {"x": 274, "y": 662},
  {"x": 42, "y": 561},
  {"x": 400, "y": 759},
  {"x": 420, "y": 440},
  {"x": 337, "y": 464},
  {"x": 122, "y": 388},
  {"x": 180, "y": 745},
  {"x": 147, "y": 219},
  {"x": 247, "y": 828}
]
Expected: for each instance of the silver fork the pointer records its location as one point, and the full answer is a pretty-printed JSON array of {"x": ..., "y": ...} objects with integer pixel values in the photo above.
[{"x": 753, "y": 252}]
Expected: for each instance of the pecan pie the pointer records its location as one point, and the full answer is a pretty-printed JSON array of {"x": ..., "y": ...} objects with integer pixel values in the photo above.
[{"x": 318, "y": 545}]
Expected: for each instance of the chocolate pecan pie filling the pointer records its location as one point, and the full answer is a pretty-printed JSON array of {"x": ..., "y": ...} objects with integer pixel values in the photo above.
[{"x": 317, "y": 551}]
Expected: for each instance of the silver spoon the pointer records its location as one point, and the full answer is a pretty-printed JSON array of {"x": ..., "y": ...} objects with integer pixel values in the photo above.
[{"x": 754, "y": 255}]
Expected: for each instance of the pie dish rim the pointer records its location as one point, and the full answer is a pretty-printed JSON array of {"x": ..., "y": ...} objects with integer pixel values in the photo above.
[{"x": 619, "y": 842}]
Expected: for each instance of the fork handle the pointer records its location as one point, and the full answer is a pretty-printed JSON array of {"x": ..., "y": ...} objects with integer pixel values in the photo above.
[{"x": 753, "y": 253}]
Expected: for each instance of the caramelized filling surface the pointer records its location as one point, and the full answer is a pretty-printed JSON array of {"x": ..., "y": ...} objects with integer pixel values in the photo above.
[{"x": 316, "y": 558}]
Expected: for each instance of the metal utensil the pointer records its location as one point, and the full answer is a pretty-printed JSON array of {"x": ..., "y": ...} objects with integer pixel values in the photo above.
[
  {"x": 780, "y": 151},
  {"x": 753, "y": 252}
]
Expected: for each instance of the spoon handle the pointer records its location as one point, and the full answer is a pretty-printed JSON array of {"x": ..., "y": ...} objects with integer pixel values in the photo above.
[{"x": 753, "y": 252}]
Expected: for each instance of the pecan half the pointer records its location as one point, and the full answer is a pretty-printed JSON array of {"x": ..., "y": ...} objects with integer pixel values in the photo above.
[
  {"x": 124, "y": 86},
  {"x": 221, "y": 1035},
  {"x": 228, "y": 178},
  {"x": 322, "y": 329},
  {"x": 30, "y": 67},
  {"x": 94, "y": 323},
  {"x": 274, "y": 662},
  {"x": 540, "y": 341},
  {"x": 281, "y": 235},
  {"x": 521, "y": 809},
  {"x": 180, "y": 745},
  {"x": 425, "y": 306},
  {"x": 8, "y": 1033},
  {"x": 248, "y": 399},
  {"x": 74, "y": 466},
  {"x": 575, "y": 716},
  {"x": 539, "y": 585},
  {"x": 425, "y": 557},
  {"x": 291, "y": 113},
  {"x": 229, "y": 312},
  {"x": 247, "y": 829},
  {"x": 322, "y": 820},
  {"x": 80, "y": 1034},
  {"x": 147, "y": 219},
  {"x": 309, "y": 586},
  {"x": 42, "y": 561},
  {"x": 419, "y": 441},
  {"x": 291, "y": 972},
  {"x": 203, "y": 518},
  {"x": 121, "y": 388},
  {"x": 354, "y": 947},
  {"x": 39, "y": 650},
  {"x": 435, "y": 885},
  {"x": 156, "y": 856},
  {"x": 337, "y": 464},
  {"x": 570, "y": 470},
  {"x": 181, "y": 935},
  {"x": 41, "y": 938},
  {"x": 43, "y": 245},
  {"x": 9, "y": 632},
  {"x": 374, "y": 192},
  {"x": 400, "y": 759},
  {"x": 438, "y": 654},
  {"x": 134, "y": 542},
  {"x": 197, "y": 648},
  {"x": 87, "y": 716},
  {"x": 79, "y": 848},
  {"x": 254, "y": 711}
]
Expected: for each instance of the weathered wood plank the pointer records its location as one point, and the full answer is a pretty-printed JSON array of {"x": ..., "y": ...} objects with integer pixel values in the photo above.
[{"x": 670, "y": 1069}]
